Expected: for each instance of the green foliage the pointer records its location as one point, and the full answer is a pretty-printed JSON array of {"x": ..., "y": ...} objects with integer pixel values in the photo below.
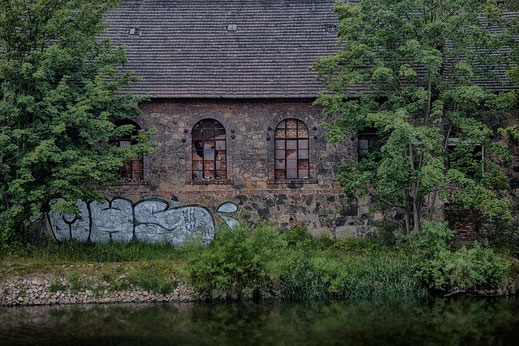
[
  {"x": 60, "y": 93},
  {"x": 358, "y": 246},
  {"x": 236, "y": 262},
  {"x": 266, "y": 263},
  {"x": 157, "y": 278},
  {"x": 429, "y": 113},
  {"x": 299, "y": 237},
  {"x": 302, "y": 280},
  {"x": 444, "y": 269},
  {"x": 260, "y": 262},
  {"x": 375, "y": 277},
  {"x": 75, "y": 283},
  {"x": 435, "y": 237},
  {"x": 463, "y": 270},
  {"x": 73, "y": 251},
  {"x": 57, "y": 286}
]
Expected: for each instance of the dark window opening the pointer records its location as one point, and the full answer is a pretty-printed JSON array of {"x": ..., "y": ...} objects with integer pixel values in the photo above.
[
  {"x": 369, "y": 142},
  {"x": 133, "y": 170},
  {"x": 292, "y": 152},
  {"x": 209, "y": 151}
]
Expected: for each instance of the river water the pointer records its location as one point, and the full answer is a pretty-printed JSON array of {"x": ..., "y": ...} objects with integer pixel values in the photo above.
[{"x": 459, "y": 321}]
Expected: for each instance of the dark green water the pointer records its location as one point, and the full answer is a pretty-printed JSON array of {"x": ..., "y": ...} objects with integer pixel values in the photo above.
[{"x": 465, "y": 321}]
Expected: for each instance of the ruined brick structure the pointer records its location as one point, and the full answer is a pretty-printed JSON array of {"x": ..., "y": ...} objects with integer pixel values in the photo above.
[
  {"x": 316, "y": 202},
  {"x": 242, "y": 66}
]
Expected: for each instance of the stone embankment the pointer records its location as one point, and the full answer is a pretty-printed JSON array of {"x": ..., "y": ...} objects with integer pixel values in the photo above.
[{"x": 40, "y": 291}]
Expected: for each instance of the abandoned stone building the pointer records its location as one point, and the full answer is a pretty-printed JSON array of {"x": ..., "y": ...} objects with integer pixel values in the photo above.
[{"x": 231, "y": 98}]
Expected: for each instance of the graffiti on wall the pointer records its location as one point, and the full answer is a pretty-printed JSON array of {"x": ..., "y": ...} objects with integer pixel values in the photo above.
[{"x": 150, "y": 220}]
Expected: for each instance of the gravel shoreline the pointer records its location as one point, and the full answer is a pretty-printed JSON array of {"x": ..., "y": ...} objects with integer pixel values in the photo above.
[{"x": 20, "y": 291}]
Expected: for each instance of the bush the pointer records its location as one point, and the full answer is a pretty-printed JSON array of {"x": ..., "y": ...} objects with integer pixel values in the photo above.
[
  {"x": 236, "y": 264},
  {"x": 434, "y": 238},
  {"x": 358, "y": 246},
  {"x": 302, "y": 280},
  {"x": 463, "y": 270},
  {"x": 441, "y": 268},
  {"x": 10, "y": 241}
]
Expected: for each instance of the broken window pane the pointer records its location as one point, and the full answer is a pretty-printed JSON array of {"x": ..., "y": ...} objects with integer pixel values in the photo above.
[
  {"x": 291, "y": 133},
  {"x": 133, "y": 170},
  {"x": 209, "y": 165},
  {"x": 198, "y": 165},
  {"x": 209, "y": 151},
  {"x": 291, "y": 154},
  {"x": 220, "y": 145}
]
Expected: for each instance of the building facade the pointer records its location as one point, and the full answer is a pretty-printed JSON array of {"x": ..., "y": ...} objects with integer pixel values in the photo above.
[{"x": 231, "y": 98}]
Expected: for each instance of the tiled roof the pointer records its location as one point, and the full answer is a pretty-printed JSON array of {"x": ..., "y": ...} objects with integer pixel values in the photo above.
[{"x": 183, "y": 48}]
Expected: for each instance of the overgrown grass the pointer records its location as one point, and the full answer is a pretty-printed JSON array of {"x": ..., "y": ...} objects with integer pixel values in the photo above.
[
  {"x": 266, "y": 263},
  {"x": 160, "y": 278},
  {"x": 73, "y": 251}
]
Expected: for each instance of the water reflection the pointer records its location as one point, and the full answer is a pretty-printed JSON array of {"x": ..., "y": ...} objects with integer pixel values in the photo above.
[{"x": 465, "y": 321}]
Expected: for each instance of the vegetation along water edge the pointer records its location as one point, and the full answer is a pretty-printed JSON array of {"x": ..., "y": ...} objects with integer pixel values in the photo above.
[{"x": 259, "y": 263}]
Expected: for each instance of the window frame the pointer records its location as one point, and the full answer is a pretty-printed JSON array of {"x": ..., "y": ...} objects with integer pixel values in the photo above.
[
  {"x": 200, "y": 179},
  {"x": 297, "y": 139}
]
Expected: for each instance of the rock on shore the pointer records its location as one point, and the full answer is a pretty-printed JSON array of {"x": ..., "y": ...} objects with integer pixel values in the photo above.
[{"x": 18, "y": 291}]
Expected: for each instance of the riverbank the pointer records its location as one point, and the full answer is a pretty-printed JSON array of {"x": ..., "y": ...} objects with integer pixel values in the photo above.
[
  {"x": 255, "y": 264},
  {"x": 93, "y": 283},
  {"x": 36, "y": 291}
]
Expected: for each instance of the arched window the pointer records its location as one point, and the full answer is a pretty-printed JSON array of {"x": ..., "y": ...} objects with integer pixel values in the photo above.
[
  {"x": 292, "y": 150},
  {"x": 132, "y": 170},
  {"x": 209, "y": 151}
]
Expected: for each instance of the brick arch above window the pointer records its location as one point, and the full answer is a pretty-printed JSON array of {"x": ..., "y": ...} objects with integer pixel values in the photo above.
[
  {"x": 132, "y": 171},
  {"x": 291, "y": 150},
  {"x": 209, "y": 152}
]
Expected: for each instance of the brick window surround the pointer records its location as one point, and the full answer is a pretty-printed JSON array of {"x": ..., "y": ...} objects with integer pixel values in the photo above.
[{"x": 133, "y": 171}]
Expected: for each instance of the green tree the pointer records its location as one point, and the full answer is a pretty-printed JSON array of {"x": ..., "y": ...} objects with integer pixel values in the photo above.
[
  {"x": 513, "y": 73},
  {"x": 60, "y": 92},
  {"x": 420, "y": 61}
]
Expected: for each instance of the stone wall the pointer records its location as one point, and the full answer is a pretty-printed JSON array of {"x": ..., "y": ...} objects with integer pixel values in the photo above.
[{"x": 317, "y": 203}]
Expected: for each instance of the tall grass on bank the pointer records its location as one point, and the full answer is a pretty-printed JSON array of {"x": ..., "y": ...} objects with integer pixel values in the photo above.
[
  {"x": 73, "y": 251},
  {"x": 266, "y": 263}
]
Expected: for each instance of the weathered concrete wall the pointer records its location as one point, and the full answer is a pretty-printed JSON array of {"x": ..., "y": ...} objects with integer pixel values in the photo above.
[{"x": 317, "y": 203}]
